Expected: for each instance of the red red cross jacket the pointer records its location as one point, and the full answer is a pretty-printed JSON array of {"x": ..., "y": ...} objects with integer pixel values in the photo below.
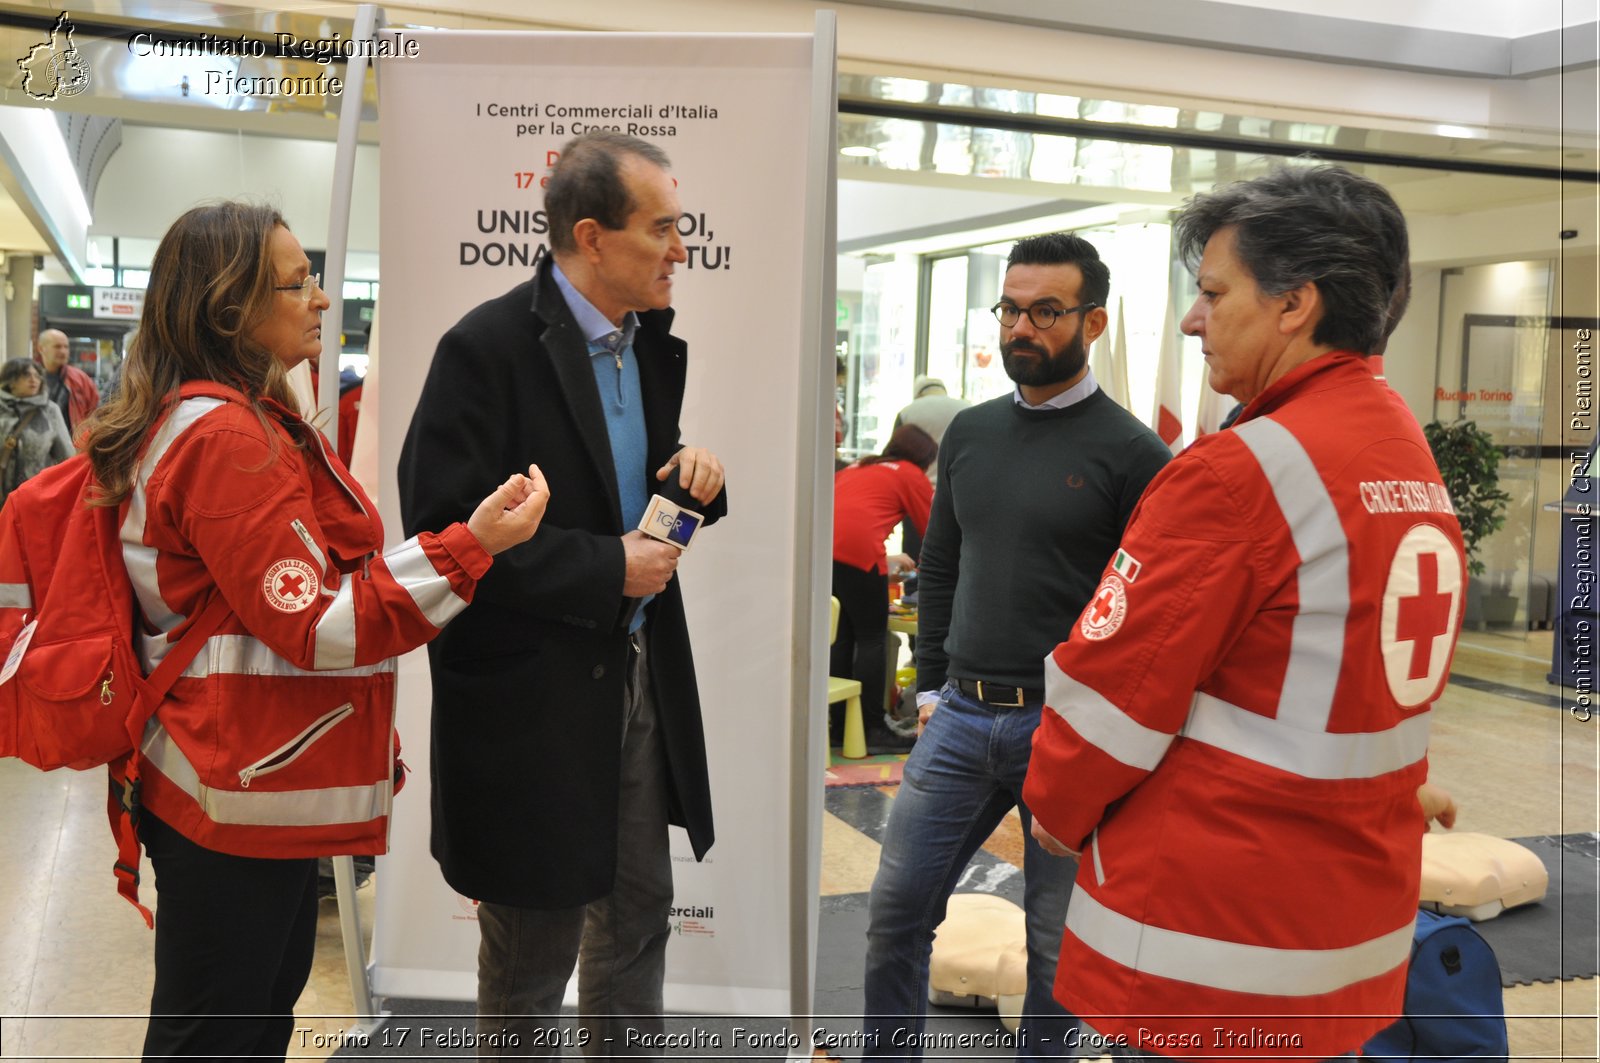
[
  {"x": 82, "y": 395},
  {"x": 1238, "y": 725},
  {"x": 278, "y": 739},
  {"x": 868, "y": 501}
]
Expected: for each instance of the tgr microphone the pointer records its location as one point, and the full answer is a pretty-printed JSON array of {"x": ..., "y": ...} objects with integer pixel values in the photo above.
[{"x": 668, "y": 516}]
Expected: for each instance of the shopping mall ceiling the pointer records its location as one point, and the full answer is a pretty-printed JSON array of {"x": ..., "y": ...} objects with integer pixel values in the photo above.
[
  {"x": 1473, "y": 38},
  {"x": 1009, "y": 148}
]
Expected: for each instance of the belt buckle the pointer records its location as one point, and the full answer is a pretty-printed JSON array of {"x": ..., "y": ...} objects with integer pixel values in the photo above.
[{"x": 1016, "y": 692}]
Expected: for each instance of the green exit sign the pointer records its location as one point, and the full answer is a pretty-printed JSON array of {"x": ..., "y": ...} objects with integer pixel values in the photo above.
[{"x": 78, "y": 302}]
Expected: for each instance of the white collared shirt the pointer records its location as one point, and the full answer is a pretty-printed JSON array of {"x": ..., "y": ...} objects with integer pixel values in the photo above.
[
  {"x": 1076, "y": 393},
  {"x": 597, "y": 328}
]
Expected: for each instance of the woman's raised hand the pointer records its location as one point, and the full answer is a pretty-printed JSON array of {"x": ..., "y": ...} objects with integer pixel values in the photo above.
[{"x": 512, "y": 512}]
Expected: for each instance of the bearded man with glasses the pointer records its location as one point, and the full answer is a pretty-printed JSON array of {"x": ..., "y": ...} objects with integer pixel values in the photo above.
[{"x": 1033, "y": 491}]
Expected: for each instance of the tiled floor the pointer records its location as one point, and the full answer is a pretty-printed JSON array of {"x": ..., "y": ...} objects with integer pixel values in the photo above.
[
  {"x": 1520, "y": 768},
  {"x": 75, "y": 971},
  {"x": 75, "y": 960}
]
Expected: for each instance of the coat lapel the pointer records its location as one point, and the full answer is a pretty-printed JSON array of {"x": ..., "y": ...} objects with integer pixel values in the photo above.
[
  {"x": 568, "y": 352},
  {"x": 661, "y": 374}
]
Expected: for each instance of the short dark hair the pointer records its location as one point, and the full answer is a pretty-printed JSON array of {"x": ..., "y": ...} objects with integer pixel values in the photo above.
[
  {"x": 587, "y": 183},
  {"x": 1320, "y": 225},
  {"x": 1399, "y": 300},
  {"x": 15, "y": 368},
  {"x": 1066, "y": 249}
]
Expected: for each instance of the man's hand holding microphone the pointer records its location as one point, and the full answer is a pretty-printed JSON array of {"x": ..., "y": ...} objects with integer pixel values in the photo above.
[{"x": 670, "y": 521}]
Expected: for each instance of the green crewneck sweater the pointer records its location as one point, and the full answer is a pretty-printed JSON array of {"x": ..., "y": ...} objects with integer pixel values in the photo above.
[{"x": 1030, "y": 506}]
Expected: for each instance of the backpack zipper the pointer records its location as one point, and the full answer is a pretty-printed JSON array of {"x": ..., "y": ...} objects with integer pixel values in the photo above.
[{"x": 290, "y": 751}]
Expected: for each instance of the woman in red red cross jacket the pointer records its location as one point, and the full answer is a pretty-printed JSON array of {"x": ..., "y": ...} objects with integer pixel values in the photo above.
[{"x": 277, "y": 744}]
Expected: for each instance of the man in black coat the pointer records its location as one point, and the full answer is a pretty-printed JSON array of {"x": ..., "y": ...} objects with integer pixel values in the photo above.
[{"x": 566, "y": 720}]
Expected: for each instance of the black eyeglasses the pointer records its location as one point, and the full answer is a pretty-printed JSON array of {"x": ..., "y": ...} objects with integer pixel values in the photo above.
[{"x": 1043, "y": 315}]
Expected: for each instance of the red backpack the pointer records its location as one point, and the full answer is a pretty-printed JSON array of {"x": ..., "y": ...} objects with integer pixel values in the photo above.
[{"x": 72, "y": 692}]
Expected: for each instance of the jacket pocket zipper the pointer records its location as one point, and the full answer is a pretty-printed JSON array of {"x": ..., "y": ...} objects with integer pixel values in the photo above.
[
  {"x": 1099, "y": 868},
  {"x": 290, "y": 751}
]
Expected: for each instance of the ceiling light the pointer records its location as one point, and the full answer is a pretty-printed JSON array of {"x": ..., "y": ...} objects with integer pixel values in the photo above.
[{"x": 859, "y": 151}]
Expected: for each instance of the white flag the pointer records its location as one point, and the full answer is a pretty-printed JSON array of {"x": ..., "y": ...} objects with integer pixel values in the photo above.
[
  {"x": 1110, "y": 364},
  {"x": 1212, "y": 408},
  {"x": 1167, "y": 420},
  {"x": 1100, "y": 361},
  {"x": 1115, "y": 380}
]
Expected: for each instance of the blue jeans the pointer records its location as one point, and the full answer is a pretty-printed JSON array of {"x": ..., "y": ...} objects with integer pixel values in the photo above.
[{"x": 964, "y": 774}]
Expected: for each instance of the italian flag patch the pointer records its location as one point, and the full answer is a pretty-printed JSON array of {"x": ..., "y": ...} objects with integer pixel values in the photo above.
[{"x": 1125, "y": 566}]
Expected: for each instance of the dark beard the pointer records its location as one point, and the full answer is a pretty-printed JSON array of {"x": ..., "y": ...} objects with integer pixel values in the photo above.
[{"x": 1046, "y": 370}]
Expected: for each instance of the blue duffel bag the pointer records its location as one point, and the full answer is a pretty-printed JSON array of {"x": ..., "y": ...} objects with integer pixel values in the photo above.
[{"x": 1454, "y": 1008}]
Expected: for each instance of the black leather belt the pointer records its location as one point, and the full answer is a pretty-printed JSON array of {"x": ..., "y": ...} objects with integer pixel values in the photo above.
[{"x": 997, "y": 694}]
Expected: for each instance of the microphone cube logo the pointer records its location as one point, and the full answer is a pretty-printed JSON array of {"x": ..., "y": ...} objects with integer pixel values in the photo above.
[
  {"x": 683, "y": 528},
  {"x": 663, "y": 518},
  {"x": 670, "y": 523}
]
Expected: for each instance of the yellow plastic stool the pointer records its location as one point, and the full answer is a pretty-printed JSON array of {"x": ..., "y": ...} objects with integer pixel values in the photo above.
[
  {"x": 849, "y": 692},
  {"x": 855, "y": 735}
]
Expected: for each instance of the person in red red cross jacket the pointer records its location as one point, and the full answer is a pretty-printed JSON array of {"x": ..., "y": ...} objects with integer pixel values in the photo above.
[
  {"x": 1239, "y": 719},
  {"x": 276, "y": 746}
]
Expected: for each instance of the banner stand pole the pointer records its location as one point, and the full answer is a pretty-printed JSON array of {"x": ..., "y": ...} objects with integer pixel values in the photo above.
[
  {"x": 814, "y": 488},
  {"x": 368, "y": 1017},
  {"x": 344, "y": 176}
]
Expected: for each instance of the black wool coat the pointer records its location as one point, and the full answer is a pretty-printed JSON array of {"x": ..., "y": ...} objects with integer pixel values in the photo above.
[{"x": 528, "y": 682}]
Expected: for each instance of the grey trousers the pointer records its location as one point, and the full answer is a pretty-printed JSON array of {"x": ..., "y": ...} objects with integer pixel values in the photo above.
[{"x": 618, "y": 942}]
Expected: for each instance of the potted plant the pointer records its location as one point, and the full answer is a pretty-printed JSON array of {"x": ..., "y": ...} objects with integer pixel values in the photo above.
[{"x": 1469, "y": 464}]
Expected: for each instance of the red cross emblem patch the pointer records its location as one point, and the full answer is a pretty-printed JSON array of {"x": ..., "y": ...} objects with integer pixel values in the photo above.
[
  {"x": 1105, "y": 611},
  {"x": 1421, "y": 612},
  {"x": 290, "y": 585}
]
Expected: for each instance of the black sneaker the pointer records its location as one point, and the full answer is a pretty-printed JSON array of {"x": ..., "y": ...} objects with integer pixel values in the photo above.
[{"x": 882, "y": 740}]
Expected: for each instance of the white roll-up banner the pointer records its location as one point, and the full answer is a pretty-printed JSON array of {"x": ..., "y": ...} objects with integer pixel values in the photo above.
[{"x": 470, "y": 125}]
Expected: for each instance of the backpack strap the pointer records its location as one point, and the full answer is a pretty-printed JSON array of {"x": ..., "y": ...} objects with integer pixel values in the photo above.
[
  {"x": 22, "y": 425},
  {"x": 181, "y": 654},
  {"x": 9, "y": 447},
  {"x": 122, "y": 807}
]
